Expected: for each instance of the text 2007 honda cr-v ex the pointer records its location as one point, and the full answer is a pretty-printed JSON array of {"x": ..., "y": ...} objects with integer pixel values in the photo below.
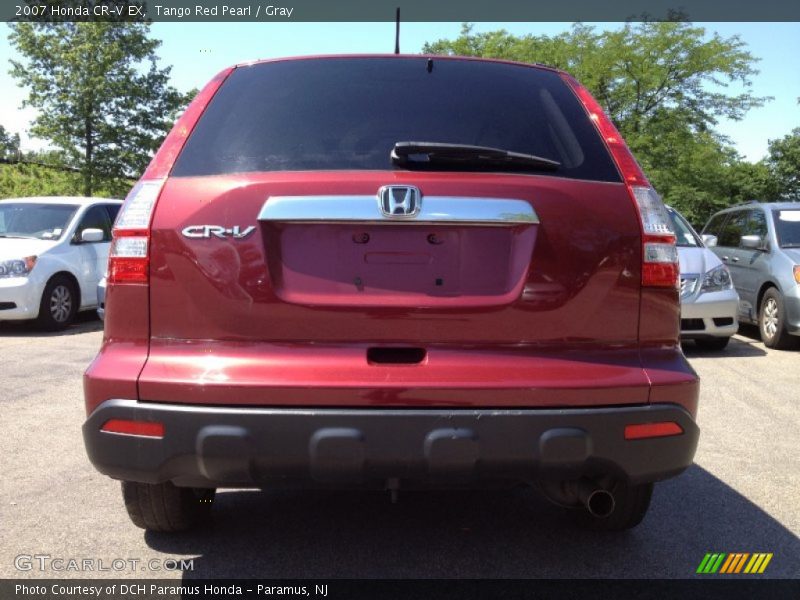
[{"x": 392, "y": 272}]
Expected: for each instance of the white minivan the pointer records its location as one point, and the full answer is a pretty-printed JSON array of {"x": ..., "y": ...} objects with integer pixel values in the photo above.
[{"x": 53, "y": 253}]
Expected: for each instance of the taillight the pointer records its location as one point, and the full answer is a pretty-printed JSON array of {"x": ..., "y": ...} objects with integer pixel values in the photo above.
[
  {"x": 128, "y": 259},
  {"x": 659, "y": 254}
]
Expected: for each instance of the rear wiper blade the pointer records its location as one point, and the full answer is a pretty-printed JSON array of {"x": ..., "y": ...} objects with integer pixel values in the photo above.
[{"x": 429, "y": 154}]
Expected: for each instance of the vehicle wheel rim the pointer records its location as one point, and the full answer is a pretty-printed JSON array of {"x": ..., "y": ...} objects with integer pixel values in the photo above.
[
  {"x": 770, "y": 318},
  {"x": 60, "y": 304}
]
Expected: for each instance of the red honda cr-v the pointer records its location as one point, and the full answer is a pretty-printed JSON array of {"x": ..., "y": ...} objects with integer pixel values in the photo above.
[{"x": 391, "y": 272}]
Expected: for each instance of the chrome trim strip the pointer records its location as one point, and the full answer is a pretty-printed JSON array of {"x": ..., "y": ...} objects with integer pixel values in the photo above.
[{"x": 437, "y": 210}]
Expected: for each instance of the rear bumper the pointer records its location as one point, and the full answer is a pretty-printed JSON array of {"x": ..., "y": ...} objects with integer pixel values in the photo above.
[{"x": 251, "y": 447}]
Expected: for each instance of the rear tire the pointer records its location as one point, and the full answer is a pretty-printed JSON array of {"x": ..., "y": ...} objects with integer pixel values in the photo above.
[
  {"x": 630, "y": 506},
  {"x": 59, "y": 304},
  {"x": 166, "y": 507},
  {"x": 772, "y": 322},
  {"x": 715, "y": 344}
]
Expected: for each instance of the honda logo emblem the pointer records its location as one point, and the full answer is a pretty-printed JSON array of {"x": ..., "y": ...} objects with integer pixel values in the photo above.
[{"x": 399, "y": 201}]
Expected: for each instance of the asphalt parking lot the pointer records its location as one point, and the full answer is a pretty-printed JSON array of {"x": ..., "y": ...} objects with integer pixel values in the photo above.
[{"x": 741, "y": 495}]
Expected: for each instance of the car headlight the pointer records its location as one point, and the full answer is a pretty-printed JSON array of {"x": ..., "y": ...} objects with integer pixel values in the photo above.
[
  {"x": 716, "y": 280},
  {"x": 18, "y": 267}
]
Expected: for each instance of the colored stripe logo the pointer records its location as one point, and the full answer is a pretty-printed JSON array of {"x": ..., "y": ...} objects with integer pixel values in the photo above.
[{"x": 733, "y": 563}]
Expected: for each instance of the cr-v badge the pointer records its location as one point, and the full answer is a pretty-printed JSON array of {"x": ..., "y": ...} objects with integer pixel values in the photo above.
[{"x": 206, "y": 231}]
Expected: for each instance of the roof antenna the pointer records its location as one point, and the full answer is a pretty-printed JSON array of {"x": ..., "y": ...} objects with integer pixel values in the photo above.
[{"x": 397, "y": 32}]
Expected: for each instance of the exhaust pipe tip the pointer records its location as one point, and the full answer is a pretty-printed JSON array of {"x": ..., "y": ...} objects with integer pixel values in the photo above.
[
  {"x": 598, "y": 501},
  {"x": 600, "y": 504}
]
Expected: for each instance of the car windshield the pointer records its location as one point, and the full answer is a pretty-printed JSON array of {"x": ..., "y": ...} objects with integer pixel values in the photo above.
[
  {"x": 683, "y": 231},
  {"x": 787, "y": 227},
  {"x": 35, "y": 220}
]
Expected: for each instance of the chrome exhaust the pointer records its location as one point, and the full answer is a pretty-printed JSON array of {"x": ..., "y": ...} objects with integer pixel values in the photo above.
[{"x": 598, "y": 501}]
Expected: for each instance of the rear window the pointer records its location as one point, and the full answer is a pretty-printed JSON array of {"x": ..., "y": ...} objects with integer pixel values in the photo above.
[{"x": 347, "y": 113}]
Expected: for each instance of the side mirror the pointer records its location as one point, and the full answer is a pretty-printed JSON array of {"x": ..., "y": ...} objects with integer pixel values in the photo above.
[
  {"x": 709, "y": 240},
  {"x": 752, "y": 242},
  {"x": 92, "y": 235}
]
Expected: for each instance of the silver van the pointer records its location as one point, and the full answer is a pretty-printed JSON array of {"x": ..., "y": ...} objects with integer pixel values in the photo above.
[{"x": 760, "y": 244}]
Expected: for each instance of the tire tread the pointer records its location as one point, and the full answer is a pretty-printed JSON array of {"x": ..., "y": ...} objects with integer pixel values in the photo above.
[
  {"x": 45, "y": 320},
  {"x": 165, "y": 507},
  {"x": 782, "y": 340}
]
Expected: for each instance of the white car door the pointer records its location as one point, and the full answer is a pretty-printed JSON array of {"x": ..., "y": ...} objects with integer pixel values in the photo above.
[{"x": 94, "y": 255}]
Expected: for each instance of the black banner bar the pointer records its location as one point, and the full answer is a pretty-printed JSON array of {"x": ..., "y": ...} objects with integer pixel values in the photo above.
[
  {"x": 708, "y": 588},
  {"x": 411, "y": 10}
]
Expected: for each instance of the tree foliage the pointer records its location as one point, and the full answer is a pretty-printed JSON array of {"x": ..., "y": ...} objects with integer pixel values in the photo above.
[
  {"x": 665, "y": 85},
  {"x": 9, "y": 144},
  {"x": 784, "y": 160},
  {"x": 20, "y": 180},
  {"x": 103, "y": 100},
  {"x": 637, "y": 71}
]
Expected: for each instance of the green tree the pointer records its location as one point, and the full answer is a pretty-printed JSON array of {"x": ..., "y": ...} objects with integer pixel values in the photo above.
[
  {"x": 784, "y": 161},
  {"x": 752, "y": 181},
  {"x": 23, "y": 179},
  {"x": 103, "y": 100},
  {"x": 51, "y": 157},
  {"x": 9, "y": 144},
  {"x": 687, "y": 168},
  {"x": 664, "y": 84},
  {"x": 635, "y": 71}
]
